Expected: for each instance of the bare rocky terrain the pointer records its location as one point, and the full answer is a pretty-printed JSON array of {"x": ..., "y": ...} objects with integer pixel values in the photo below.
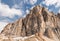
[{"x": 38, "y": 25}]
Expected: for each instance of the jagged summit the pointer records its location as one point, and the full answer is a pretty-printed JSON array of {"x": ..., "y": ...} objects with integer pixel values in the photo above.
[
  {"x": 37, "y": 9},
  {"x": 39, "y": 22}
]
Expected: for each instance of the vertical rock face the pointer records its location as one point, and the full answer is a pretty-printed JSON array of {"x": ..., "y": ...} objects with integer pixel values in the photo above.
[
  {"x": 58, "y": 15},
  {"x": 39, "y": 21}
]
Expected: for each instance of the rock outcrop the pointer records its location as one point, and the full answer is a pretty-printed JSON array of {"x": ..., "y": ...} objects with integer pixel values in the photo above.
[
  {"x": 58, "y": 15},
  {"x": 44, "y": 25}
]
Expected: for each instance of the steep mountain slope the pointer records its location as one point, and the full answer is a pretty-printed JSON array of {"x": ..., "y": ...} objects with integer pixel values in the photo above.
[
  {"x": 39, "y": 22},
  {"x": 58, "y": 15}
]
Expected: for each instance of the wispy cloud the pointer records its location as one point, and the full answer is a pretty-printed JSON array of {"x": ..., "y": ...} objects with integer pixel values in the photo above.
[
  {"x": 32, "y": 2},
  {"x": 49, "y": 2},
  {"x": 52, "y": 2},
  {"x": 52, "y": 5},
  {"x": 19, "y": 5}
]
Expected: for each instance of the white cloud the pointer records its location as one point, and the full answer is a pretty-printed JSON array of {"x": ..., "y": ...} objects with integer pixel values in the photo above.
[
  {"x": 27, "y": 11},
  {"x": 32, "y": 2},
  {"x": 59, "y": 11},
  {"x": 9, "y": 12},
  {"x": 16, "y": 6},
  {"x": 56, "y": 3},
  {"x": 52, "y": 2},
  {"x": 2, "y": 25},
  {"x": 19, "y": 5}
]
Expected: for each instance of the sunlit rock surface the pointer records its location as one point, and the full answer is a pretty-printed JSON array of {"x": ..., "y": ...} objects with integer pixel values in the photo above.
[{"x": 38, "y": 25}]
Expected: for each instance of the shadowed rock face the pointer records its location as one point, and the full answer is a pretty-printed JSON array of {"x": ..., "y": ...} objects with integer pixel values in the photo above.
[
  {"x": 39, "y": 21},
  {"x": 58, "y": 15}
]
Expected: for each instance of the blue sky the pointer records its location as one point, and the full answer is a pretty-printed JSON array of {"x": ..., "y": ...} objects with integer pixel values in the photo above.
[{"x": 11, "y": 10}]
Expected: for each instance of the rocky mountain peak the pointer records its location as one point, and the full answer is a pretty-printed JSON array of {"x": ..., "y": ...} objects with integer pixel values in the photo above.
[
  {"x": 37, "y": 10},
  {"x": 39, "y": 22}
]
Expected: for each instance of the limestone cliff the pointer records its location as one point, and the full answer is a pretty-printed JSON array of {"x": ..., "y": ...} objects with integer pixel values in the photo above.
[{"x": 40, "y": 22}]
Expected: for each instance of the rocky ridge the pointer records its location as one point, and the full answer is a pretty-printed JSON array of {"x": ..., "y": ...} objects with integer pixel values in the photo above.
[{"x": 44, "y": 25}]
